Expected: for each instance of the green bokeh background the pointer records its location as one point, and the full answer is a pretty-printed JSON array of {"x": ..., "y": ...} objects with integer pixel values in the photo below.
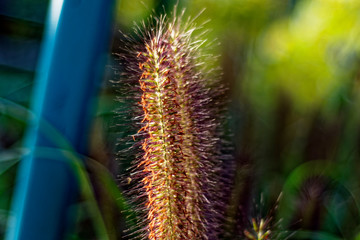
[{"x": 293, "y": 120}]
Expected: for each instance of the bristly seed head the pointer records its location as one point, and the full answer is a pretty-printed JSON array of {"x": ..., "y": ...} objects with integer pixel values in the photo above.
[
  {"x": 179, "y": 128},
  {"x": 259, "y": 231}
]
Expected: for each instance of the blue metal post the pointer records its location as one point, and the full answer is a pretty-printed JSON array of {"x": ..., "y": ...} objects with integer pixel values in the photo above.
[{"x": 69, "y": 71}]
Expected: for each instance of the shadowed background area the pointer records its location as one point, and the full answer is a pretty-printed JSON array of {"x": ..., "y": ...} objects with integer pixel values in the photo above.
[{"x": 292, "y": 68}]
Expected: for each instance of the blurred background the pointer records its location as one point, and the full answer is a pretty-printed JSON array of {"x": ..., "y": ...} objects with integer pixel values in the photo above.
[{"x": 292, "y": 67}]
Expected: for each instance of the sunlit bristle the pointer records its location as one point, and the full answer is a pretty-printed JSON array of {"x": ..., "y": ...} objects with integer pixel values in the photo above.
[
  {"x": 179, "y": 124},
  {"x": 260, "y": 229}
]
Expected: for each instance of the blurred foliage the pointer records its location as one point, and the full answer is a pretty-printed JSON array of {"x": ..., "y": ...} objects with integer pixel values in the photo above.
[
  {"x": 129, "y": 11},
  {"x": 310, "y": 55},
  {"x": 293, "y": 72}
]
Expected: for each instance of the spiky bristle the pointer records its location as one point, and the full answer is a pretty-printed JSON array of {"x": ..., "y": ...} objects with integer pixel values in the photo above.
[{"x": 179, "y": 129}]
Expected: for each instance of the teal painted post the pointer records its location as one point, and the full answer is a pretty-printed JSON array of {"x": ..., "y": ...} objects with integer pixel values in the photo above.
[{"x": 69, "y": 71}]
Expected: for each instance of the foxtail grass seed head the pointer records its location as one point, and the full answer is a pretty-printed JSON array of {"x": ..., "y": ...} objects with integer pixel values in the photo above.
[
  {"x": 265, "y": 227},
  {"x": 259, "y": 230},
  {"x": 178, "y": 128}
]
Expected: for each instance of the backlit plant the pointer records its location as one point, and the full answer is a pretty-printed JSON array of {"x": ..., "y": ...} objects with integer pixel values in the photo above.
[{"x": 178, "y": 131}]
